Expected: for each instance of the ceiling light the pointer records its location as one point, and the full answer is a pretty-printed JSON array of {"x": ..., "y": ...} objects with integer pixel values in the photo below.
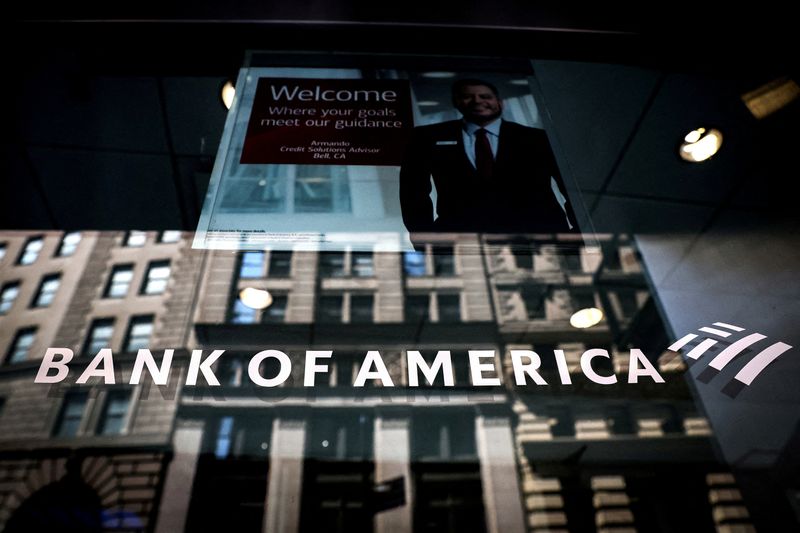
[
  {"x": 586, "y": 318},
  {"x": 700, "y": 144},
  {"x": 427, "y": 103},
  {"x": 438, "y": 75},
  {"x": 255, "y": 298},
  {"x": 519, "y": 82},
  {"x": 227, "y": 93}
]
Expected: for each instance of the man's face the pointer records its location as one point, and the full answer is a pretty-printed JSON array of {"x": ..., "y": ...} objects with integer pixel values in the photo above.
[{"x": 478, "y": 104}]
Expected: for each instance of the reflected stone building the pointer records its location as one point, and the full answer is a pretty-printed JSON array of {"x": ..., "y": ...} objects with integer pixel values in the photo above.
[{"x": 560, "y": 456}]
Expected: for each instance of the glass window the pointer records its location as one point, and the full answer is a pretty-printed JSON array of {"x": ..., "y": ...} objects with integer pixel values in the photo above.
[
  {"x": 449, "y": 307},
  {"x": 582, "y": 300},
  {"x": 155, "y": 281},
  {"x": 139, "y": 332},
  {"x": 242, "y": 314},
  {"x": 331, "y": 264},
  {"x": 522, "y": 257},
  {"x": 47, "y": 291},
  {"x": 280, "y": 264},
  {"x": 276, "y": 312},
  {"x": 7, "y": 297},
  {"x": 115, "y": 411},
  {"x": 362, "y": 308},
  {"x": 443, "y": 261},
  {"x": 99, "y": 336},
  {"x": 321, "y": 189},
  {"x": 31, "y": 251},
  {"x": 21, "y": 345},
  {"x": 417, "y": 308},
  {"x": 69, "y": 419},
  {"x": 414, "y": 264},
  {"x": 252, "y": 265},
  {"x": 329, "y": 309},
  {"x": 534, "y": 298},
  {"x": 224, "y": 437},
  {"x": 361, "y": 264},
  {"x": 120, "y": 281},
  {"x": 69, "y": 244},
  {"x": 135, "y": 239},
  {"x": 169, "y": 236}
]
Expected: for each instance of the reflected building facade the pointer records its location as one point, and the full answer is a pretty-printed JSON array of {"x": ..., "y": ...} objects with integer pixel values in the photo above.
[{"x": 568, "y": 455}]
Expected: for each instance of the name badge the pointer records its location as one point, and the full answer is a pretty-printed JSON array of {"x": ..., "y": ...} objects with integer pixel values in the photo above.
[{"x": 446, "y": 143}]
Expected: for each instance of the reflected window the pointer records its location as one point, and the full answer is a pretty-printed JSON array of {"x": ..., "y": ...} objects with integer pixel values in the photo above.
[
  {"x": 2, "y": 250},
  {"x": 120, "y": 281},
  {"x": 443, "y": 261},
  {"x": 155, "y": 281},
  {"x": 31, "y": 251},
  {"x": 276, "y": 311},
  {"x": 414, "y": 264},
  {"x": 242, "y": 314},
  {"x": 417, "y": 308},
  {"x": 252, "y": 265},
  {"x": 582, "y": 299},
  {"x": 47, "y": 291},
  {"x": 141, "y": 327},
  {"x": 280, "y": 264},
  {"x": 522, "y": 257},
  {"x": 362, "y": 308},
  {"x": 69, "y": 244},
  {"x": 572, "y": 262},
  {"x": 169, "y": 236},
  {"x": 21, "y": 346},
  {"x": 224, "y": 437},
  {"x": 361, "y": 264},
  {"x": 341, "y": 435},
  {"x": 135, "y": 239},
  {"x": 99, "y": 337},
  {"x": 534, "y": 298},
  {"x": 329, "y": 309},
  {"x": 449, "y": 307},
  {"x": 115, "y": 413},
  {"x": 620, "y": 421},
  {"x": 561, "y": 420},
  {"x": 331, "y": 264},
  {"x": 7, "y": 296},
  {"x": 71, "y": 414},
  {"x": 321, "y": 189}
]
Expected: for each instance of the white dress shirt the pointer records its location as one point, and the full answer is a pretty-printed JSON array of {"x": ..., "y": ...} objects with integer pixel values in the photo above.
[{"x": 468, "y": 134}]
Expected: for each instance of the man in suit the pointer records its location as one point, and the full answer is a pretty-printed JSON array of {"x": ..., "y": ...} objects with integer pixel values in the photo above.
[{"x": 491, "y": 175}]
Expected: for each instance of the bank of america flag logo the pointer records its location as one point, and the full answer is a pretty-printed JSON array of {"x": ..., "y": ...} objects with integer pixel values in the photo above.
[{"x": 722, "y": 332}]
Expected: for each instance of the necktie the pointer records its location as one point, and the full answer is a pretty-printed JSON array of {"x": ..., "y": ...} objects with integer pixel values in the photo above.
[{"x": 484, "y": 160}]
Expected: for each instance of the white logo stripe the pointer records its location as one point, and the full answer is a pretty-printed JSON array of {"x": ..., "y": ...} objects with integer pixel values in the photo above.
[
  {"x": 717, "y": 332},
  {"x": 728, "y": 326},
  {"x": 752, "y": 369},
  {"x": 701, "y": 348},
  {"x": 680, "y": 343},
  {"x": 734, "y": 349}
]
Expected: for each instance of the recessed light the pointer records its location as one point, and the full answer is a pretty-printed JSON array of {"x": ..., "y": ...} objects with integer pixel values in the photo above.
[
  {"x": 519, "y": 82},
  {"x": 586, "y": 318},
  {"x": 227, "y": 93},
  {"x": 255, "y": 298},
  {"x": 427, "y": 103},
  {"x": 700, "y": 144}
]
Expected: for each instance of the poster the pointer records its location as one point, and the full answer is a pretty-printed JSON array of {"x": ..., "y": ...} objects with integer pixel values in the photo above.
[{"x": 384, "y": 159}]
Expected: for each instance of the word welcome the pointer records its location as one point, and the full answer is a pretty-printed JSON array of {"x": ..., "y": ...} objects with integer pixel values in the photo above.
[
  {"x": 525, "y": 364},
  {"x": 328, "y": 95}
]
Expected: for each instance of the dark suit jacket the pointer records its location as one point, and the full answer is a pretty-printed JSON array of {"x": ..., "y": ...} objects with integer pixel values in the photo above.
[{"x": 518, "y": 198}]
